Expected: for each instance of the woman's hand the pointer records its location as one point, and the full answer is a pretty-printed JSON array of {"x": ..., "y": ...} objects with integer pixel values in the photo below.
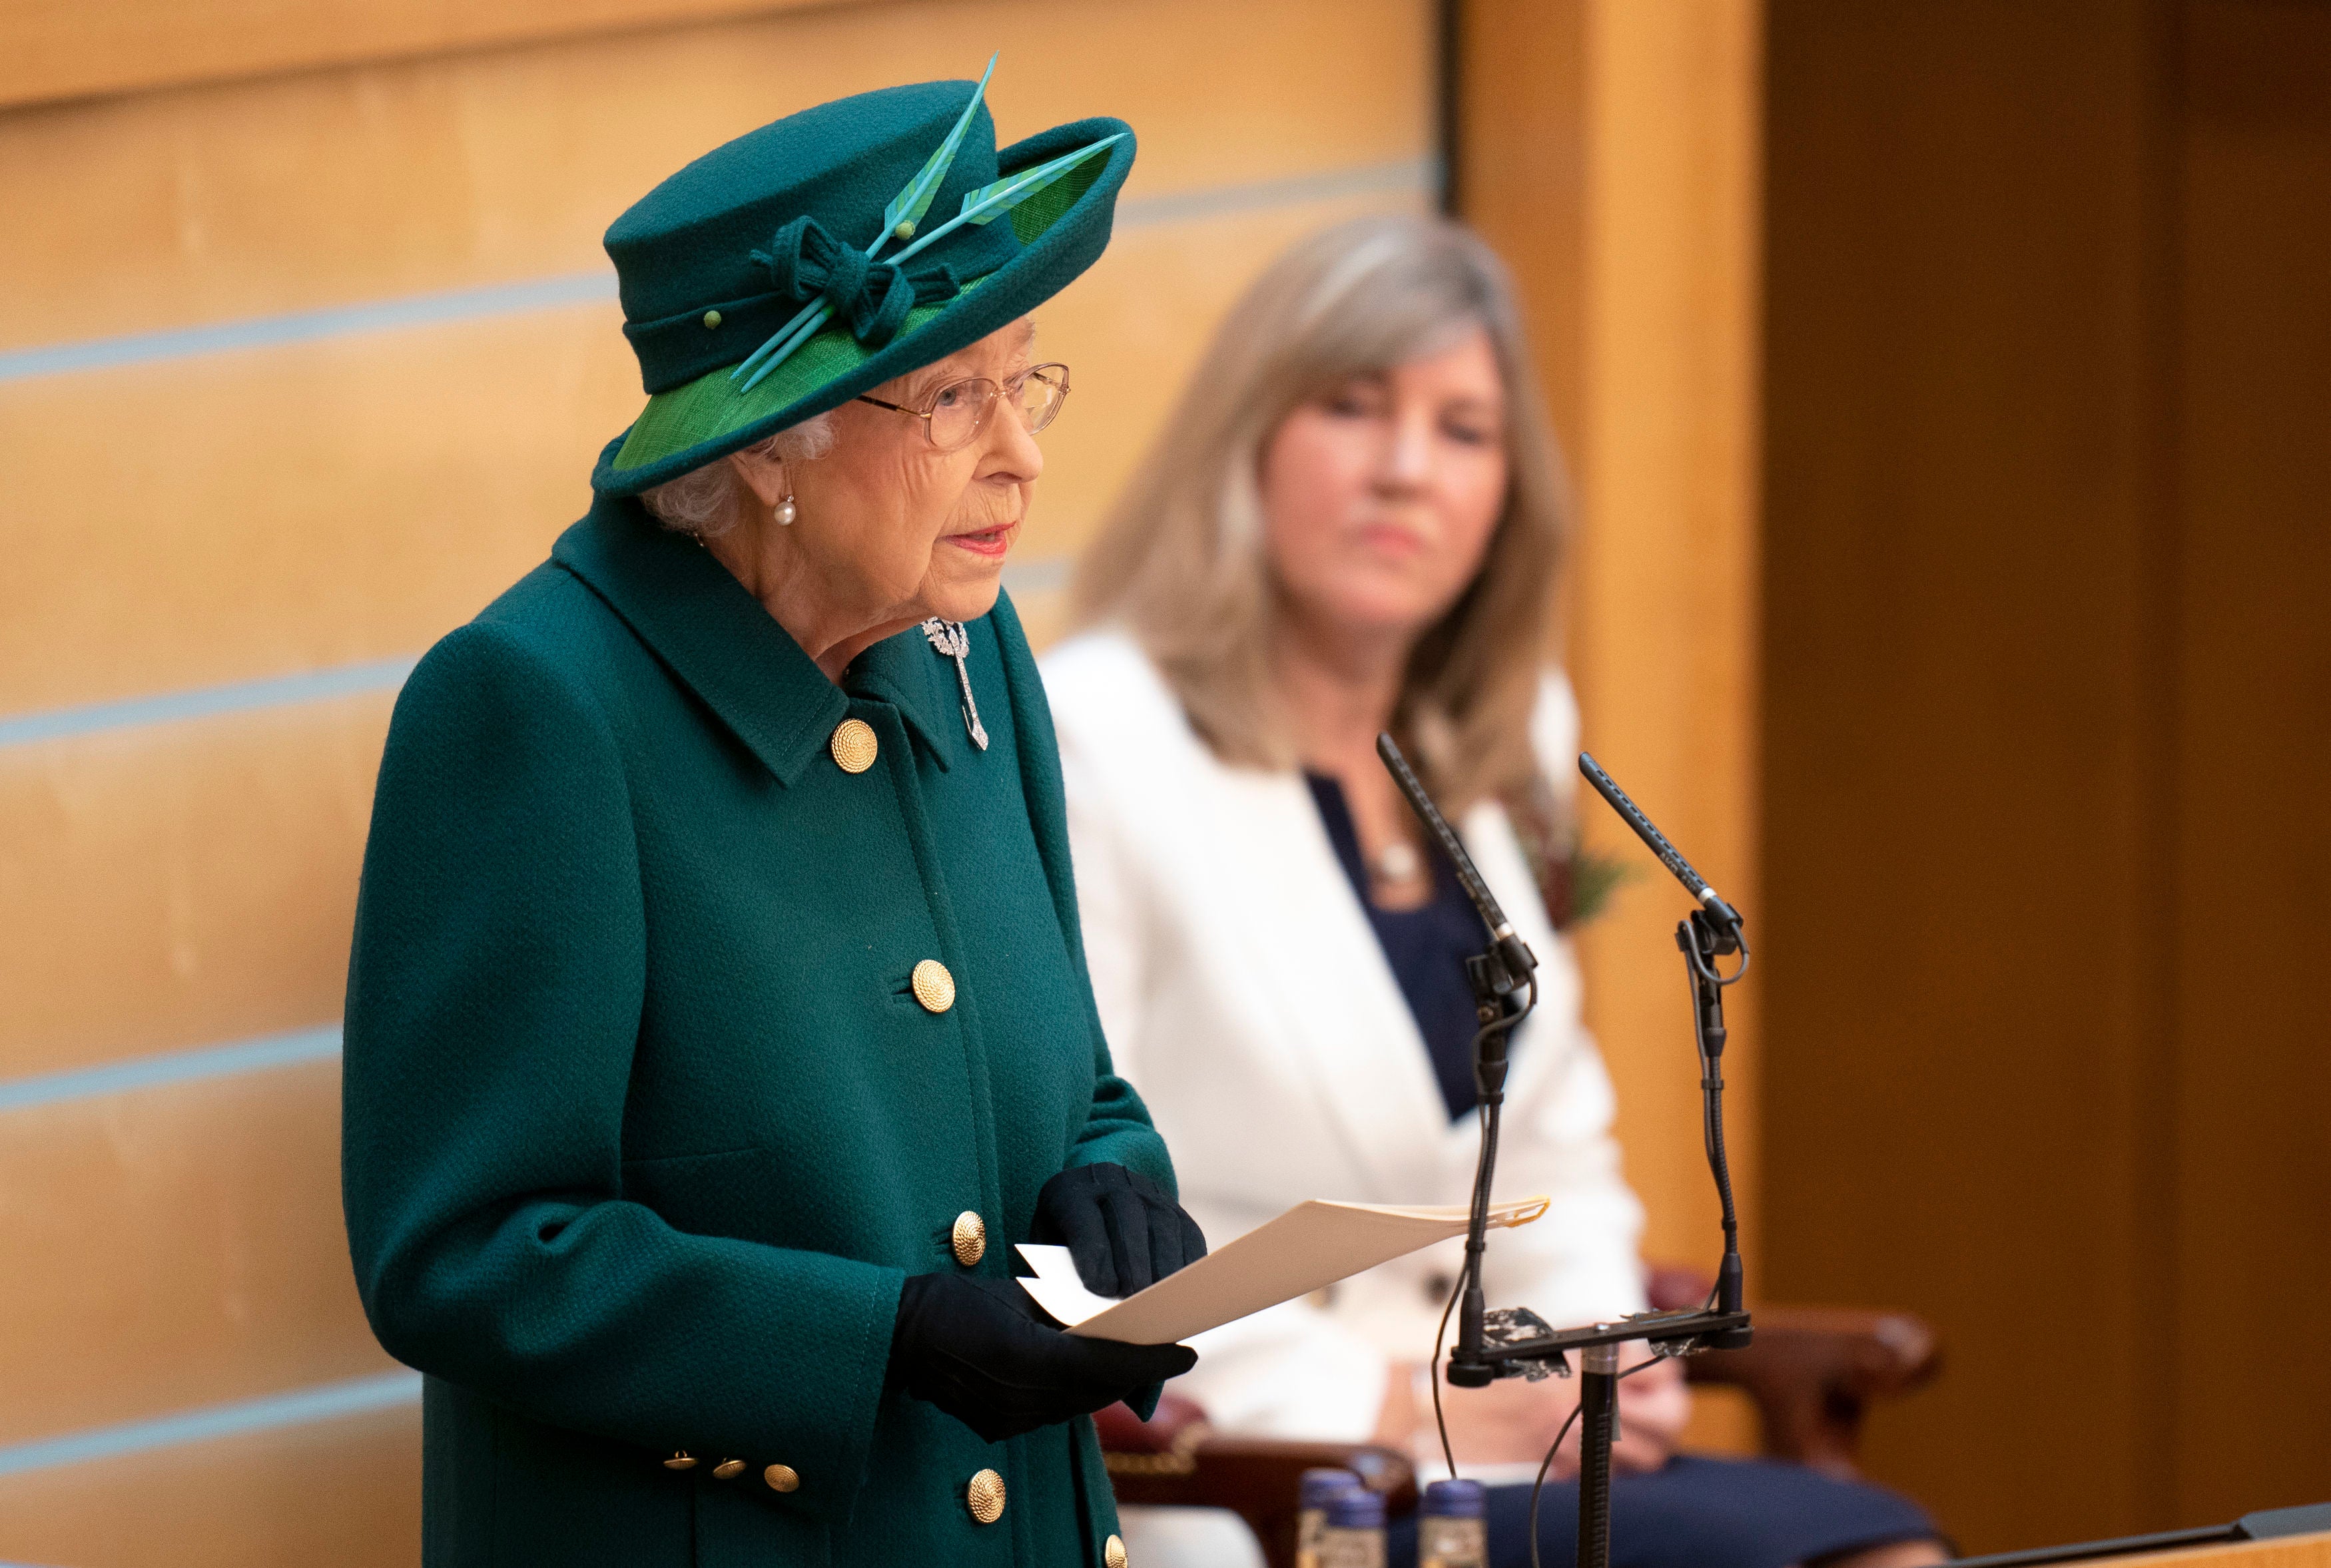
[
  {"x": 1654, "y": 1406},
  {"x": 978, "y": 1349},
  {"x": 1513, "y": 1420},
  {"x": 1122, "y": 1229}
]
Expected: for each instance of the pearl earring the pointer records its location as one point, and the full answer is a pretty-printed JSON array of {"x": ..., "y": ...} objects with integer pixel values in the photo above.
[{"x": 787, "y": 511}]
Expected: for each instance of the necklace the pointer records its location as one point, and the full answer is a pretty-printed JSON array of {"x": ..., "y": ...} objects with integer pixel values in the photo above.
[{"x": 1395, "y": 863}]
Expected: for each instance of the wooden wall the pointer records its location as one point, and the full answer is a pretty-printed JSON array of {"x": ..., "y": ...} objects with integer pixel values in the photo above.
[
  {"x": 306, "y": 348},
  {"x": 2047, "y": 551}
]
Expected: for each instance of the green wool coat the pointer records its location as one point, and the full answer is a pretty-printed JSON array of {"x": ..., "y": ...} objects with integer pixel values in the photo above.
[{"x": 644, "y": 1126}]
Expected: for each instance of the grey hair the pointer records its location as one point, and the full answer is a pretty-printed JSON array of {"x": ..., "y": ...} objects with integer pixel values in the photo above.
[{"x": 707, "y": 501}]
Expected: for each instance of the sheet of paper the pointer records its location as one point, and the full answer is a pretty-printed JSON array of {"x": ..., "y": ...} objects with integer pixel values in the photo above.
[
  {"x": 1310, "y": 1246},
  {"x": 1058, "y": 1288}
]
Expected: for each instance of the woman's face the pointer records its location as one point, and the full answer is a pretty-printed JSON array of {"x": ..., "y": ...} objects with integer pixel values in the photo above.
[
  {"x": 893, "y": 526},
  {"x": 1379, "y": 497}
]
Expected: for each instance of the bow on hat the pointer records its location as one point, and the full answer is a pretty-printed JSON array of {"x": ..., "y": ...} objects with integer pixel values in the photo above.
[{"x": 808, "y": 263}]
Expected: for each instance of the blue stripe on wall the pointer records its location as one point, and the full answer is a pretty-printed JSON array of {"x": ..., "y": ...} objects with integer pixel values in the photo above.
[
  {"x": 1037, "y": 576},
  {"x": 307, "y": 326},
  {"x": 173, "y": 1066},
  {"x": 1041, "y": 576},
  {"x": 301, "y": 1407},
  {"x": 205, "y": 701},
  {"x": 529, "y": 295},
  {"x": 1421, "y": 177}
]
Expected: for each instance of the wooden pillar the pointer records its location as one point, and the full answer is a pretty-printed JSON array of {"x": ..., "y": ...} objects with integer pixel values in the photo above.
[{"x": 1609, "y": 150}]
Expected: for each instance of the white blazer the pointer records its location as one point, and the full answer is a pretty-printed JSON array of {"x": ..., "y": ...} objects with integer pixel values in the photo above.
[{"x": 1245, "y": 996}]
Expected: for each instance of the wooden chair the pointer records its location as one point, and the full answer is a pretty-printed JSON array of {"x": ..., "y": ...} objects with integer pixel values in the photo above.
[{"x": 1811, "y": 1373}]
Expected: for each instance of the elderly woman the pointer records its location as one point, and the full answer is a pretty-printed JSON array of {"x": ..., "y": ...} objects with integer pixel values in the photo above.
[
  {"x": 1351, "y": 525},
  {"x": 717, "y": 1018}
]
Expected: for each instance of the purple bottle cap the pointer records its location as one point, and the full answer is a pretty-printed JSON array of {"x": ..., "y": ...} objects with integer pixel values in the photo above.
[
  {"x": 1355, "y": 1510},
  {"x": 1318, "y": 1486},
  {"x": 1456, "y": 1500}
]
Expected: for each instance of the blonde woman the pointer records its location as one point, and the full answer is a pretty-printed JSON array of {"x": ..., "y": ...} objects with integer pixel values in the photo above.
[{"x": 1352, "y": 523}]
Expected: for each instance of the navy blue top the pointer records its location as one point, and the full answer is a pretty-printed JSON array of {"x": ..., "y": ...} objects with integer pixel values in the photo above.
[{"x": 1426, "y": 946}]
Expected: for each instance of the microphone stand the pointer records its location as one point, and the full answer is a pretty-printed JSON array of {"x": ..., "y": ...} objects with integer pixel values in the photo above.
[{"x": 1515, "y": 1341}]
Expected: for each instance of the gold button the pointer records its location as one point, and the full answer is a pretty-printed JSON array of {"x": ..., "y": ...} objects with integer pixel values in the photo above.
[
  {"x": 682, "y": 1460},
  {"x": 934, "y": 986},
  {"x": 853, "y": 745},
  {"x": 970, "y": 1238},
  {"x": 1112, "y": 1552},
  {"x": 985, "y": 1497},
  {"x": 728, "y": 1469},
  {"x": 782, "y": 1478},
  {"x": 711, "y": 319}
]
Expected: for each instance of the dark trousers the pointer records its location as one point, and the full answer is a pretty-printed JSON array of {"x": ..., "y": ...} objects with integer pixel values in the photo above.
[{"x": 1699, "y": 1513}]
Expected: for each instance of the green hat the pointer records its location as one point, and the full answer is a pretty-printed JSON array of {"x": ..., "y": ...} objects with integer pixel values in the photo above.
[{"x": 800, "y": 265}]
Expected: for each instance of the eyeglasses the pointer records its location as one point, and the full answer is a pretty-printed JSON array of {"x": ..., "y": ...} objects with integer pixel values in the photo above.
[{"x": 955, "y": 415}]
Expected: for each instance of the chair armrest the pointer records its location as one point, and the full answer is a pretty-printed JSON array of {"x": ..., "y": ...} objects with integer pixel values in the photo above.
[
  {"x": 1177, "y": 1459},
  {"x": 1813, "y": 1372}
]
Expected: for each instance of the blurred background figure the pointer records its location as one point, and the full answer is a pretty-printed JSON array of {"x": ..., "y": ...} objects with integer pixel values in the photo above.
[{"x": 1351, "y": 525}]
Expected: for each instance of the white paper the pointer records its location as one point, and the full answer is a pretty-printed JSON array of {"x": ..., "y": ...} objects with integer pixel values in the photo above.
[
  {"x": 1058, "y": 1288},
  {"x": 1310, "y": 1247}
]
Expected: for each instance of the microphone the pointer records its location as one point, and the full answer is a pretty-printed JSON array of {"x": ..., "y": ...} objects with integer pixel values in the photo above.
[
  {"x": 1505, "y": 988},
  {"x": 1726, "y": 918},
  {"x": 1511, "y": 950}
]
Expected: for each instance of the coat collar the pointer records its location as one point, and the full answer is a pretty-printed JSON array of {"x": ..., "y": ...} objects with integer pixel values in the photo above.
[
  {"x": 907, "y": 672},
  {"x": 728, "y": 649},
  {"x": 708, "y": 631}
]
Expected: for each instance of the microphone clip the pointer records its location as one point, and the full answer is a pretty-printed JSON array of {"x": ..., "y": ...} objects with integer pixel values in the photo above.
[{"x": 1499, "y": 1000}]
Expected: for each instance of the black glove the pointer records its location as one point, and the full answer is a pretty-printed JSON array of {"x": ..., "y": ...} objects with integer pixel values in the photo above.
[
  {"x": 978, "y": 1348},
  {"x": 1124, "y": 1232}
]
